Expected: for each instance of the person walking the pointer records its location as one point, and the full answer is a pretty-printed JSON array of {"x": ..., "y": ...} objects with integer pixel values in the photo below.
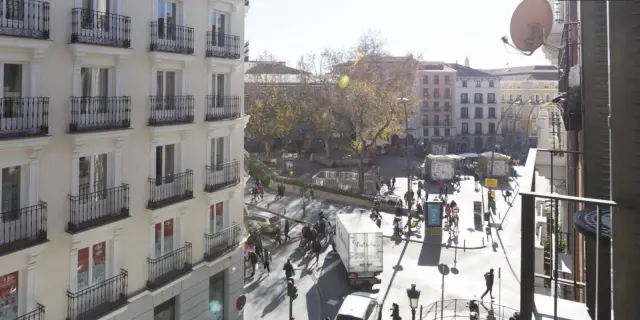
[
  {"x": 253, "y": 258},
  {"x": 261, "y": 191},
  {"x": 286, "y": 229},
  {"x": 393, "y": 183},
  {"x": 441, "y": 187},
  {"x": 488, "y": 278},
  {"x": 278, "y": 236},
  {"x": 311, "y": 193},
  {"x": 288, "y": 270},
  {"x": 266, "y": 260},
  {"x": 419, "y": 193},
  {"x": 316, "y": 249}
]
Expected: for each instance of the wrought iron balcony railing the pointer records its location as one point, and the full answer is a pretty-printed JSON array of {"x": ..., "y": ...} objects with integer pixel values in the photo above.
[
  {"x": 222, "y": 45},
  {"x": 99, "y": 299},
  {"x": 167, "y": 190},
  {"x": 171, "y": 110},
  {"x": 100, "y": 28},
  {"x": 464, "y": 101},
  {"x": 37, "y": 314},
  {"x": 25, "y": 19},
  {"x": 171, "y": 38},
  {"x": 478, "y": 101},
  {"x": 97, "y": 206},
  {"x": 221, "y": 176},
  {"x": 169, "y": 267},
  {"x": 24, "y": 117},
  {"x": 220, "y": 243},
  {"x": 100, "y": 113},
  {"x": 220, "y": 107},
  {"x": 23, "y": 228}
]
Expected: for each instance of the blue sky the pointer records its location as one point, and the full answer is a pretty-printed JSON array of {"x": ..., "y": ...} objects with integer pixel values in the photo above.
[{"x": 446, "y": 30}]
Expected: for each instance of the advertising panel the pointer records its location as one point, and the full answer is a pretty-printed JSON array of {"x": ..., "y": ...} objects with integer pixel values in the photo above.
[{"x": 433, "y": 214}]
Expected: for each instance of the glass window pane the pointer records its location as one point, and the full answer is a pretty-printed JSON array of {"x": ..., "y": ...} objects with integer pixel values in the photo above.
[
  {"x": 83, "y": 268},
  {"x": 170, "y": 84},
  {"x": 99, "y": 268},
  {"x": 167, "y": 245},
  {"x": 158, "y": 240},
  {"x": 219, "y": 223},
  {"x": 169, "y": 159},
  {"x": 11, "y": 188},
  {"x": 9, "y": 296}
]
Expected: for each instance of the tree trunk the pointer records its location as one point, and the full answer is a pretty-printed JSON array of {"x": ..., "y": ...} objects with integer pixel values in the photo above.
[
  {"x": 267, "y": 148},
  {"x": 361, "y": 174},
  {"x": 327, "y": 148}
]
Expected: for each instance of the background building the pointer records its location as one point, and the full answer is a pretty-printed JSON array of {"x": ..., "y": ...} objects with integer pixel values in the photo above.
[
  {"x": 433, "y": 124},
  {"x": 477, "y": 112},
  {"x": 120, "y": 160}
]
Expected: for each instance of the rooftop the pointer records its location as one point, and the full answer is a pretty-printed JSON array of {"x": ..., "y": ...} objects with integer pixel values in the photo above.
[
  {"x": 464, "y": 71},
  {"x": 262, "y": 67},
  {"x": 539, "y": 72}
]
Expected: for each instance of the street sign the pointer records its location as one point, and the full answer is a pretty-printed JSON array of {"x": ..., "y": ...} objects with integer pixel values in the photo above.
[
  {"x": 490, "y": 183},
  {"x": 456, "y": 210},
  {"x": 240, "y": 302}
]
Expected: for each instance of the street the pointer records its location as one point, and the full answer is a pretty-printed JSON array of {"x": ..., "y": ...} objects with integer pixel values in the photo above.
[{"x": 322, "y": 286}]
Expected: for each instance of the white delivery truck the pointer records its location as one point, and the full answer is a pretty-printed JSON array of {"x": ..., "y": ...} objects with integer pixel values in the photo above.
[{"x": 358, "y": 241}]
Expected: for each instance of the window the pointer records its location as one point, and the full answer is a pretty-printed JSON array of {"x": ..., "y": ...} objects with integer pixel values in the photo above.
[
  {"x": 436, "y": 132},
  {"x": 491, "y": 83},
  {"x": 425, "y": 104},
  {"x": 166, "y": 310},
  {"x": 216, "y": 220},
  {"x": 14, "y": 10},
  {"x": 464, "y": 83},
  {"x": 218, "y": 85},
  {"x": 436, "y": 79},
  {"x": 478, "y": 83},
  {"x": 547, "y": 98},
  {"x": 464, "y": 112},
  {"x": 447, "y": 105},
  {"x": 95, "y": 83},
  {"x": 492, "y": 112},
  {"x": 477, "y": 98},
  {"x": 218, "y": 153},
  {"x": 447, "y": 132},
  {"x": 503, "y": 98},
  {"x": 167, "y": 19},
  {"x": 425, "y": 92},
  {"x": 491, "y": 98},
  {"x": 447, "y": 93},
  {"x": 425, "y": 80},
  {"x": 447, "y": 120},
  {"x": 219, "y": 27},
  {"x": 12, "y": 88},
  {"x": 165, "y": 163},
  {"x": 92, "y": 265},
  {"x": 12, "y": 191},
  {"x": 165, "y": 89},
  {"x": 436, "y": 92},
  {"x": 436, "y": 104},
  {"x": 510, "y": 98},
  {"x": 164, "y": 238},
  {"x": 447, "y": 80},
  {"x": 436, "y": 120},
  {"x": 478, "y": 128},
  {"x": 464, "y": 98},
  {"x": 216, "y": 296},
  {"x": 92, "y": 172},
  {"x": 465, "y": 128},
  {"x": 537, "y": 98},
  {"x": 425, "y": 120},
  {"x": 492, "y": 127},
  {"x": 546, "y": 85},
  {"x": 9, "y": 295},
  {"x": 478, "y": 113},
  {"x": 425, "y": 132}
]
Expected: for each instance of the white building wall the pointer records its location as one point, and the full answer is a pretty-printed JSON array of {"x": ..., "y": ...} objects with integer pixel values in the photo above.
[
  {"x": 471, "y": 121},
  {"x": 47, "y": 271}
]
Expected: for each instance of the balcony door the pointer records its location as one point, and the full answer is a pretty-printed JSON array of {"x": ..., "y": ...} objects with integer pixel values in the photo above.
[
  {"x": 14, "y": 13},
  {"x": 95, "y": 18},
  {"x": 219, "y": 28},
  {"x": 218, "y": 89},
  {"x": 13, "y": 109},
  {"x": 92, "y": 266},
  {"x": 167, "y": 20},
  {"x": 166, "y": 91},
  {"x": 93, "y": 177},
  {"x": 13, "y": 222},
  {"x": 95, "y": 92},
  {"x": 218, "y": 159},
  {"x": 164, "y": 239}
]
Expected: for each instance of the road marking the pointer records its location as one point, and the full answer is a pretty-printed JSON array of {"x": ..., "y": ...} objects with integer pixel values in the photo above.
[
  {"x": 331, "y": 266},
  {"x": 332, "y": 302}
]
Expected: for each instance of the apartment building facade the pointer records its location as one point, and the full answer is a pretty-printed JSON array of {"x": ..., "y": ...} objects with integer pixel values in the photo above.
[
  {"x": 477, "y": 112},
  {"x": 435, "y": 84},
  {"x": 120, "y": 153}
]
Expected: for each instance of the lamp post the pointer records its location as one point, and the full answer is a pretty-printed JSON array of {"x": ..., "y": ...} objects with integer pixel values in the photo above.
[
  {"x": 409, "y": 199},
  {"x": 414, "y": 296}
]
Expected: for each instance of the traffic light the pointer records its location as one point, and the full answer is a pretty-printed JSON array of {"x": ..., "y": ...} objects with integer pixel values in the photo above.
[{"x": 292, "y": 291}]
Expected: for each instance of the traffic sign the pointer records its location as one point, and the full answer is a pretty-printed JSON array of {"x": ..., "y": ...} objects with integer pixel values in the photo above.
[
  {"x": 490, "y": 183},
  {"x": 456, "y": 210},
  {"x": 240, "y": 302},
  {"x": 448, "y": 210}
]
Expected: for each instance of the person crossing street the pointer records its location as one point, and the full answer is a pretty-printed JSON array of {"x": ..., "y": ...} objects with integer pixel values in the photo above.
[{"x": 488, "y": 278}]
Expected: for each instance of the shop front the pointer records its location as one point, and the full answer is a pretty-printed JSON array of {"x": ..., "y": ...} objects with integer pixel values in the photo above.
[{"x": 216, "y": 296}]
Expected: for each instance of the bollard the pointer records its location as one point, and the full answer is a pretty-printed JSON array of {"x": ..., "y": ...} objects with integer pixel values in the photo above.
[
  {"x": 483, "y": 242},
  {"x": 420, "y": 312},
  {"x": 464, "y": 244}
]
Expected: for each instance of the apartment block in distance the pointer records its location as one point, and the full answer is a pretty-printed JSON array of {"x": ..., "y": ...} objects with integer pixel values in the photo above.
[{"x": 120, "y": 158}]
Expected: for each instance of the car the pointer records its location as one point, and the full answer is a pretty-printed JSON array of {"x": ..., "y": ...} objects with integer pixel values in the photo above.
[
  {"x": 359, "y": 306},
  {"x": 267, "y": 222}
]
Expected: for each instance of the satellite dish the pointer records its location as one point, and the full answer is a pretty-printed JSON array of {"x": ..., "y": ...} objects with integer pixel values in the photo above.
[{"x": 531, "y": 24}]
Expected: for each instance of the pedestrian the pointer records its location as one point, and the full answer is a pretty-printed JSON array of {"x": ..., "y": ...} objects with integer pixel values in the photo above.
[
  {"x": 476, "y": 178},
  {"x": 377, "y": 188},
  {"x": 419, "y": 193},
  {"x": 419, "y": 209},
  {"x": 316, "y": 249},
  {"x": 419, "y": 187},
  {"x": 441, "y": 187},
  {"x": 261, "y": 191},
  {"x": 446, "y": 189},
  {"x": 278, "y": 236},
  {"x": 488, "y": 278},
  {"x": 288, "y": 270},
  {"x": 266, "y": 260},
  {"x": 286, "y": 228},
  {"x": 393, "y": 182},
  {"x": 253, "y": 258},
  {"x": 311, "y": 193}
]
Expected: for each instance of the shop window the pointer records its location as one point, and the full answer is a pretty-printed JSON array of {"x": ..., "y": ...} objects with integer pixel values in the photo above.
[
  {"x": 9, "y": 296},
  {"x": 216, "y": 296},
  {"x": 166, "y": 310}
]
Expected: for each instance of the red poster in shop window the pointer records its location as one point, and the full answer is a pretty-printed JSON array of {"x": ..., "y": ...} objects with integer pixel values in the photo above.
[
  {"x": 98, "y": 253},
  {"x": 168, "y": 228},
  {"x": 219, "y": 207},
  {"x": 8, "y": 284},
  {"x": 83, "y": 259}
]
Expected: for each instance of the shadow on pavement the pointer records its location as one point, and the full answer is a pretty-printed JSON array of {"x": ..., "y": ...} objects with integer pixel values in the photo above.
[
  {"x": 314, "y": 311},
  {"x": 396, "y": 269},
  {"x": 274, "y": 303},
  {"x": 430, "y": 253}
]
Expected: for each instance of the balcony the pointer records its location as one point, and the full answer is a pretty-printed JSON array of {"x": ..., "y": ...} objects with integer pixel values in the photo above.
[
  {"x": 171, "y": 189},
  {"x": 437, "y": 109},
  {"x": 425, "y": 123},
  {"x": 478, "y": 101},
  {"x": 169, "y": 267},
  {"x": 222, "y": 45},
  {"x": 464, "y": 101},
  {"x": 100, "y": 28},
  {"x": 221, "y": 107},
  {"x": 91, "y": 114},
  {"x": 99, "y": 299},
  {"x": 477, "y": 132},
  {"x": 171, "y": 110},
  {"x": 25, "y": 19},
  {"x": 477, "y": 116},
  {"x": 221, "y": 176},
  {"x": 491, "y": 101},
  {"x": 37, "y": 314},
  {"x": 223, "y": 242},
  {"x": 23, "y": 228},
  {"x": 464, "y": 116},
  {"x": 171, "y": 38},
  {"x": 24, "y": 117},
  {"x": 95, "y": 207},
  {"x": 447, "y": 108}
]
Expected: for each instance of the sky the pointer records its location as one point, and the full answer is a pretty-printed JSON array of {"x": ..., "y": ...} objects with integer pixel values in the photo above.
[{"x": 440, "y": 30}]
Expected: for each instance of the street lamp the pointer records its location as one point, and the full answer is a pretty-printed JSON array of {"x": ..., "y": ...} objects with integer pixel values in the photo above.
[
  {"x": 414, "y": 296},
  {"x": 409, "y": 198}
]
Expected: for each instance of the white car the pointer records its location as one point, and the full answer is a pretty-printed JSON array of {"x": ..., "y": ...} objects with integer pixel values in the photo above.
[{"x": 359, "y": 306}]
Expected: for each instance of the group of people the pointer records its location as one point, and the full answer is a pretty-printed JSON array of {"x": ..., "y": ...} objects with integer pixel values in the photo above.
[{"x": 313, "y": 235}]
